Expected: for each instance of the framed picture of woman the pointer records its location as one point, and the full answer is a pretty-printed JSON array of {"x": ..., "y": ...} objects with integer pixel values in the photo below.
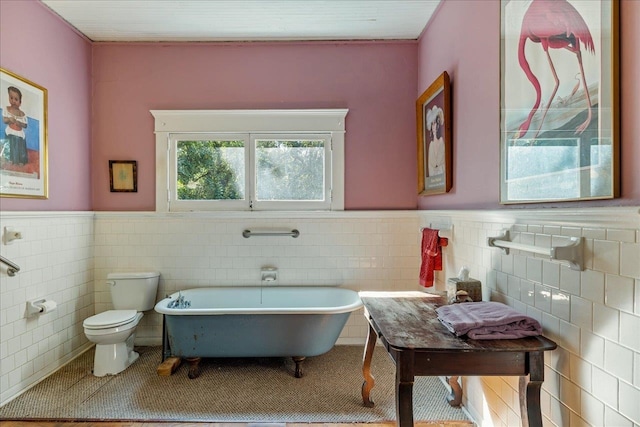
[
  {"x": 433, "y": 118},
  {"x": 23, "y": 137}
]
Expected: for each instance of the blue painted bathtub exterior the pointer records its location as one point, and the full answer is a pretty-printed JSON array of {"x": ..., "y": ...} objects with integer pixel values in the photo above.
[{"x": 257, "y": 321}]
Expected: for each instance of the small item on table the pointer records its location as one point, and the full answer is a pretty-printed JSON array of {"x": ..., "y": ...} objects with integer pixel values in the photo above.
[
  {"x": 462, "y": 296},
  {"x": 471, "y": 286}
]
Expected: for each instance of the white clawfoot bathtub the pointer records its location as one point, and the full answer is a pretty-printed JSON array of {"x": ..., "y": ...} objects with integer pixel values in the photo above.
[{"x": 278, "y": 321}]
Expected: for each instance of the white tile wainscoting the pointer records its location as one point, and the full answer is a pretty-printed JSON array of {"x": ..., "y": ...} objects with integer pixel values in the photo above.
[
  {"x": 65, "y": 256},
  {"x": 594, "y": 315},
  {"x": 55, "y": 256},
  {"x": 593, "y": 378},
  {"x": 356, "y": 250}
]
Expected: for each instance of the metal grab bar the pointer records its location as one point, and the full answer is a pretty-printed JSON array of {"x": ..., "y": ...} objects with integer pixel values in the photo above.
[
  {"x": 248, "y": 233},
  {"x": 12, "y": 267}
]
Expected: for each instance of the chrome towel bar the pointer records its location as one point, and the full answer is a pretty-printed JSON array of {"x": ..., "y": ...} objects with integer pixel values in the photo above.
[
  {"x": 571, "y": 253},
  {"x": 248, "y": 233},
  {"x": 12, "y": 267}
]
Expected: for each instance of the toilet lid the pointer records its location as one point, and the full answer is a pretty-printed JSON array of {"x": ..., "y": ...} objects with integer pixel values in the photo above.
[{"x": 109, "y": 319}]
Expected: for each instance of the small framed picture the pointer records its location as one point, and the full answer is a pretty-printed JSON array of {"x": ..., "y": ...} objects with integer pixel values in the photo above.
[
  {"x": 435, "y": 152},
  {"x": 123, "y": 176}
]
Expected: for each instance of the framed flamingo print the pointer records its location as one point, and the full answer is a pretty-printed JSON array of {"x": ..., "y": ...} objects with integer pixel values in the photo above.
[
  {"x": 433, "y": 118},
  {"x": 559, "y": 121}
]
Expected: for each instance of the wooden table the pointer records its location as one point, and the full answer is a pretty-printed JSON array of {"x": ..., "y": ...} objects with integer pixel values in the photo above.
[{"x": 407, "y": 325}]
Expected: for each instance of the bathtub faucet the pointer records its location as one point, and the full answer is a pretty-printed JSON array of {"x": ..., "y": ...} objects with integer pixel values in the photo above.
[{"x": 179, "y": 302}]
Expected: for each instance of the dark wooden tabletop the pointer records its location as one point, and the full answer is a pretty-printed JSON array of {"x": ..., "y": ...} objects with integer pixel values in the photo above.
[{"x": 408, "y": 320}]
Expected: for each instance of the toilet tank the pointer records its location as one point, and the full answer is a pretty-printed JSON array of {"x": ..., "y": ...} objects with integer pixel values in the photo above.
[{"x": 133, "y": 291}]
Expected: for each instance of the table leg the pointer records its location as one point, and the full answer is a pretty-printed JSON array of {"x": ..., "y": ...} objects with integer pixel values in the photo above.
[
  {"x": 455, "y": 397},
  {"x": 522, "y": 392},
  {"x": 404, "y": 388},
  {"x": 369, "y": 381},
  {"x": 530, "y": 405}
]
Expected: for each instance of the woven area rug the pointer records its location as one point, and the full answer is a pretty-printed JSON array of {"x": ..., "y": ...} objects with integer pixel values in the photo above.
[{"x": 230, "y": 390}]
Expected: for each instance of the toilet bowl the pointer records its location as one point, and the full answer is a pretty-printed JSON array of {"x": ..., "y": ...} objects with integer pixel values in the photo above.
[{"x": 114, "y": 331}]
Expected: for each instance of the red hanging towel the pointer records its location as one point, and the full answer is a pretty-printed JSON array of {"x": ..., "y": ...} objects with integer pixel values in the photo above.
[{"x": 431, "y": 256}]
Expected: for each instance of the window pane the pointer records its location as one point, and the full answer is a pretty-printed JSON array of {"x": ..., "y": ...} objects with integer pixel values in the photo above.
[
  {"x": 210, "y": 170},
  {"x": 290, "y": 170}
]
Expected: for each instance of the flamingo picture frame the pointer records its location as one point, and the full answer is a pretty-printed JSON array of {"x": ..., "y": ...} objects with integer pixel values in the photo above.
[{"x": 559, "y": 111}]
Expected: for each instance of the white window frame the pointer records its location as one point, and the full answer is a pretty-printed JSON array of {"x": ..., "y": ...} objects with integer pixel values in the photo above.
[
  {"x": 259, "y": 122},
  {"x": 176, "y": 205},
  {"x": 287, "y": 204}
]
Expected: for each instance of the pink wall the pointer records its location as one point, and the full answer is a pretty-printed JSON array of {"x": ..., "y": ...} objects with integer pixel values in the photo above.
[
  {"x": 40, "y": 47},
  {"x": 463, "y": 38},
  {"x": 375, "y": 81}
]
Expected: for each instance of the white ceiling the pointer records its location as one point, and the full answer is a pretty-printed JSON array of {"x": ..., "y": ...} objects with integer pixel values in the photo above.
[{"x": 245, "y": 20}]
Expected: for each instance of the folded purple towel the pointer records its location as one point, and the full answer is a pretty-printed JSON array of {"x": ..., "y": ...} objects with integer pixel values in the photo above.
[{"x": 487, "y": 320}]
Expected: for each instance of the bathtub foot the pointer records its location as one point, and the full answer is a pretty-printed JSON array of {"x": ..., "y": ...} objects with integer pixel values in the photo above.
[
  {"x": 194, "y": 367},
  {"x": 298, "y": 360}
]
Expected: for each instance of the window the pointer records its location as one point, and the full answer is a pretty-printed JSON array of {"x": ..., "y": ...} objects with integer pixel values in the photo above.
[
  {"x": 249, "y": 160},
  {"x": 247, "y": 171}
]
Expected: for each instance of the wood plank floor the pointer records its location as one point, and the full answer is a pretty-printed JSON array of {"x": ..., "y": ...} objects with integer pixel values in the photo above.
[{"x": 175, "y": 424}]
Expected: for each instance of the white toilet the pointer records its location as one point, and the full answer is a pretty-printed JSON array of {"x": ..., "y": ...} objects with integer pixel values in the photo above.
[{"x": 113, "y": 331}]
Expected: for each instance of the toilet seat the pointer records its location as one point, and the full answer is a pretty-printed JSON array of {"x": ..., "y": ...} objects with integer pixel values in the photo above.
[{"x": 110, "y": 319}]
